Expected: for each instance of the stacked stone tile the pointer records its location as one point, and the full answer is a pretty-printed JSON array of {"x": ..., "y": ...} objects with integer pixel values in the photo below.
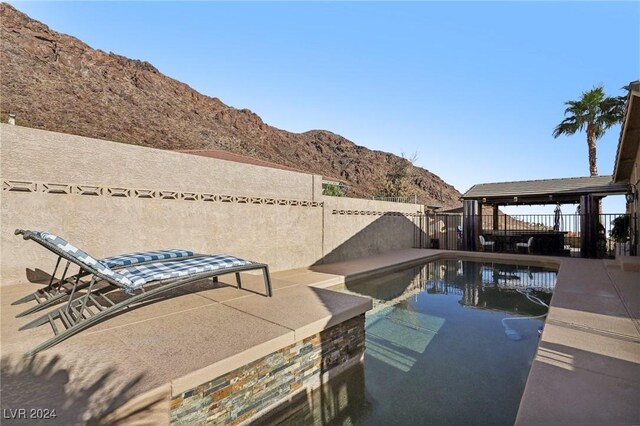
[{"x": 244, "y": 392}]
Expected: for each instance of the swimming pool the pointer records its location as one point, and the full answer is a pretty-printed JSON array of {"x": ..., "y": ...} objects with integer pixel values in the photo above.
[{"x": 447, "y": 342}]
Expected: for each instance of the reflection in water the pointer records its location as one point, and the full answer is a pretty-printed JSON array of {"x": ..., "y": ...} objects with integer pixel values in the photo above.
[
  {"x": 481, "y": 285},
  {"x": 340, "y": 401},
  {"x": 446, "y": 343}
]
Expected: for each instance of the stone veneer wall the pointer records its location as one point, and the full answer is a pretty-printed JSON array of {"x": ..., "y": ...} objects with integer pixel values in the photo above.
[{"x": 242, "y": 393}]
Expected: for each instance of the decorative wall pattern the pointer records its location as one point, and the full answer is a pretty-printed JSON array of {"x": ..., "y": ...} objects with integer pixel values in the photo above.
[
  {"x": 373, "y": 213},
  {"x": 103, "y": 191}
]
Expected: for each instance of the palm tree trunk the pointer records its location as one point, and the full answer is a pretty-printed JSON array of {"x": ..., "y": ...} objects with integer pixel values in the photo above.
[
  {"x": 593, "y": 168},
  {"x": 591, "y": 142}
]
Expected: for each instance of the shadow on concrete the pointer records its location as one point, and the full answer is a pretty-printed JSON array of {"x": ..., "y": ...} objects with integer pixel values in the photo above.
[
  {"x": 37, "y": 276},
  {"x": 40, "y": 387},
  {"x": 586, "y": 387},
  {"x": 379, "y": 236},
  {"x": 571, "y": 359}
]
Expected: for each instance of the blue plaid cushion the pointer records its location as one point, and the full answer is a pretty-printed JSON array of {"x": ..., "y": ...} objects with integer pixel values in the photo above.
[
  {"x": 68, "y": 248},
  {"x": 135, "y": 277},
  {"x": 144, "y": 274},
  {"x": 126, "y": 259},
  {"x": 82, "y": 257},
  {"x": 144, "y": 257}
]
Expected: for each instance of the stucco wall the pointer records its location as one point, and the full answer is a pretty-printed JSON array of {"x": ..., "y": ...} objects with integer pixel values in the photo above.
[
  {"x": 357, "y": 227},
  {"x": 111, "y": 198}
]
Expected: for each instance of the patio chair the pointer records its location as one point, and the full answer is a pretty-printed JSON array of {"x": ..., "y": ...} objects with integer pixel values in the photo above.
[
  {"x": 484, "y": 243},
  {"x": 526, "y": 245},
  {"x": 138, "y": 284},
  {"x": 57, "y": 290}
]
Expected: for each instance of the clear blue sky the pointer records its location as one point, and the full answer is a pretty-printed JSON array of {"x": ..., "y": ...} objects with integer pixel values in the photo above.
[{"x": 475, "y": 88}]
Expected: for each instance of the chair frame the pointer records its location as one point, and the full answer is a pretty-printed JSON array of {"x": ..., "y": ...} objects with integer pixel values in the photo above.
[
  {"x": 526, "y": 245},
  {"x": 55, "y": 291},
  {"x": 76, "y": 314},
  {"x": 484, "y": 243}
]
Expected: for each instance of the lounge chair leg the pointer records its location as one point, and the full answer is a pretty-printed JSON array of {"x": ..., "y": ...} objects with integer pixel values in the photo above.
[
  {"x": 64, "y": 276},
  {"x": 267, "y": 280},
  {"x": 73, "y": 290},
  {"x": 238, "y": 280},
  {"x": 86, "y": 297},
  {"x": 60, "y": 294},
  {"x": 53, "y": 274}
]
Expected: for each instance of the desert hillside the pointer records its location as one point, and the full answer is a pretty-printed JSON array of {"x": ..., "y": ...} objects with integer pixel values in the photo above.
[{"x": 56, "y": 82}]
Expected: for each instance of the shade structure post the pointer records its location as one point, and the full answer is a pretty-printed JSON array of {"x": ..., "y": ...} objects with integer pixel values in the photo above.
[
  {"x": 470, "y": 224},
  {"x": 588, "y": 226}
]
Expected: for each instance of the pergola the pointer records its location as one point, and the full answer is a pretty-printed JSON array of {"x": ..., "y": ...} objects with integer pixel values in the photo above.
[{"x": 588, "y": 191}]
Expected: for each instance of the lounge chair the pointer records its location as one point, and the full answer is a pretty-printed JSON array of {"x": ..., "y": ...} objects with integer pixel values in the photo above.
[
  {"x": 139, "y": 283},
  {"x": 57, "y": 290}
]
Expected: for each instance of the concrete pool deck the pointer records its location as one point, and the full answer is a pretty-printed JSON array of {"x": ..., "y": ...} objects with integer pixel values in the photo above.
[
  {"x": 586, "y": 369},
  {"x": 139, "y": 359}
]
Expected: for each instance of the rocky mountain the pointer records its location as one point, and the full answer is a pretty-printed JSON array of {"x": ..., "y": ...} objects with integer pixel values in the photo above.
[{"x": 56, "y": 82}]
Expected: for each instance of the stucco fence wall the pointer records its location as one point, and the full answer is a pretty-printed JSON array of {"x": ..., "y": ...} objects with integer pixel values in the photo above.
[
  {"x": 111, "y": 198},
  {"x": 357, "y": 227}
]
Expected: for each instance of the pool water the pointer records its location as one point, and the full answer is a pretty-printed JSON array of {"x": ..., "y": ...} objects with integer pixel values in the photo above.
[{"x": 441, "y": 347}]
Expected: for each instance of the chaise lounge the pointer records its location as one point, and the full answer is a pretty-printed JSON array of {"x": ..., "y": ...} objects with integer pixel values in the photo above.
[
  {"x": 138, "y": 283},
  {"x": 57, "y": 290}
]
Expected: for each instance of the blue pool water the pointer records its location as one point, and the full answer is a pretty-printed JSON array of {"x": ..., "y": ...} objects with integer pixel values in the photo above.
[{"x": 441, "y": 347}]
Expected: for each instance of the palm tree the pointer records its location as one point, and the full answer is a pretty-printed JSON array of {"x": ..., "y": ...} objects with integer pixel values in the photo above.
[{"x": 595, "y": 112}]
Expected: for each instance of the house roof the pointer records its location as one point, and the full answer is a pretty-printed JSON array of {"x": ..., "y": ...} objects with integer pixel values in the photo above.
[
  {"x": 629, "y": 141},
  {"x": 545, "y": 191},
  {"x": 230, "y": 156}
]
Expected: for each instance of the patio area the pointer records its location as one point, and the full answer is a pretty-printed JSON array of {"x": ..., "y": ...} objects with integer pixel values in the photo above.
[
  {"x": 162, "y": 361},
  {"x": 587, "y": 233},
  {"x": 587, "y": 365}
]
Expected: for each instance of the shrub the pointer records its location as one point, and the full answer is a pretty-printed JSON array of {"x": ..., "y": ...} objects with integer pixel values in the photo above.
[{"x": 620, "y": 230}]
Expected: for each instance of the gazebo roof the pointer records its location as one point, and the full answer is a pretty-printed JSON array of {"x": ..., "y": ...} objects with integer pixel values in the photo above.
[{"x": 545, "y": 191}]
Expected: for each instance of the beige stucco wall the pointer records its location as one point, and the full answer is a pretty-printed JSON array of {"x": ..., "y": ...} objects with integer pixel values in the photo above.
[
  {"x": 357, "y": 227},
  {"x": 37, "y": 155},
  {"x": 110, "y": 198}
]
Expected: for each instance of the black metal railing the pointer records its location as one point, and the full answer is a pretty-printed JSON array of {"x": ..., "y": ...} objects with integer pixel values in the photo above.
[
  {"x": 546, "y": 234},
  {"x": 411, "y": 199},
  {"x": 439, "y": 231}
]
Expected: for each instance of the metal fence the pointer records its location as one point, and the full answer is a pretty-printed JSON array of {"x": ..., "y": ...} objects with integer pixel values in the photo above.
[
  {"x": 547, "y": 234},
  {"x": 439, "y": 231},
  {"x": 412, "y": 199}
]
